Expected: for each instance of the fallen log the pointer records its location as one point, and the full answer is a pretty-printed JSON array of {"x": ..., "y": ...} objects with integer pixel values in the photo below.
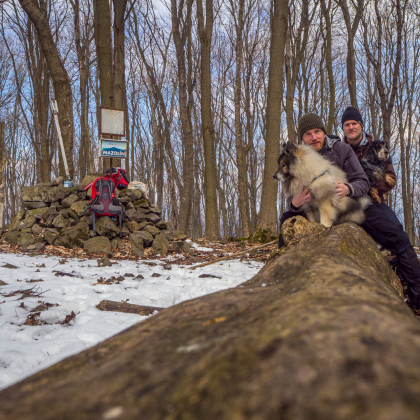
[
  {"x": 318, "y": 333},
  {"x": 109, "y": 305}
]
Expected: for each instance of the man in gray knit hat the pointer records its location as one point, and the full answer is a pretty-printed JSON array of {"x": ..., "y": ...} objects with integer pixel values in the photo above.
[{"x": 312, "y": 133}]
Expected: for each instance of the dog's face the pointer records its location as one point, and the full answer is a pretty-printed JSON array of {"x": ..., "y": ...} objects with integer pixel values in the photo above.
[
  {"x": 285, "y": 161},
  {"x": 381, "y": 149}
]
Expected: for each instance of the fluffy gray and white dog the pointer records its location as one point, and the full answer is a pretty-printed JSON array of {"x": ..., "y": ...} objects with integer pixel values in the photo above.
[{"x": 302, "y": 167}]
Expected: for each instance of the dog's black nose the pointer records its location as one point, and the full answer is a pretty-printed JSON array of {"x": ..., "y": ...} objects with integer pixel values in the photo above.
[{"x": 274, "y": 176}]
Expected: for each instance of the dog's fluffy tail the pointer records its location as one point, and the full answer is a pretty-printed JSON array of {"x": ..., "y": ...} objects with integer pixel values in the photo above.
[{"x": 365, "y": 202}]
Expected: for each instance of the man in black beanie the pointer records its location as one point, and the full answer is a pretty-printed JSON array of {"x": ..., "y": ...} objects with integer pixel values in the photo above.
[{"x": 381, "y": 222}]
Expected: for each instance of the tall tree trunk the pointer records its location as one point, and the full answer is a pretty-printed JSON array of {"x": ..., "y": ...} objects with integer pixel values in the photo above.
[
  {"x": 329, "y": 65},
  {"x": 119, "y": 62},
  {"x": 103, "y": 42},
  {"x": 252, "y": 164},
  {"x": 205, "y": 29},
  {"x": 60, "y": 78},
  {"x": 387, "y": 100},
  {"x": 294, "y": 58},
  {"x": 351, "y": 33},
  {"x": 82, "y": 49},
  {"x": 268, "y": 213},
  {"x": 241, "y": 148},
  {"x": 182, "y": 36},
  {"x": 2, "y": 167}
]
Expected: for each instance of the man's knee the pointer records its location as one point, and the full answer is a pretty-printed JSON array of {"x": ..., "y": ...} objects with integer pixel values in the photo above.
[
  {"x": 288, "y": 215},
  {"x": 383, "y": 225}
]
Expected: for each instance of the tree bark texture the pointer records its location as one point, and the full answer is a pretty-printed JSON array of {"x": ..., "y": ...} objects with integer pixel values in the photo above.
[
  {"x": 120, "y": 100},
  {"x": 205, "y": 28},
  {"x": 119, "y": 54},
  {"x": 103, "y": 42},
  {"x": 295, "y": 48},
  {"x": 268, "y": 214},
  {"x": 41, "y": 86},
  {"x": 129, "y": 308},
  {"x": 329, "y": 64},
  {"x": 182, "y": 35},
  {"x": 83, "y": 58},
  {"x": 60, "y": 78},
  {"x": 351, "y": 33},
  {"x": 387, "y": 95},
  {"x": 2, "y": 161},
  {"x": 318, "y": 333},
  {"x": 241, "y": 147}
]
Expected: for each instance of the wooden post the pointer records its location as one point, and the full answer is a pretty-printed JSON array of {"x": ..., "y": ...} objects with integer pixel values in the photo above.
[{"x": 1, "y": 172}]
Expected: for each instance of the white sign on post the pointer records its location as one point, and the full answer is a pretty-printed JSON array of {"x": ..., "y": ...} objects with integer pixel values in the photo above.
[{"x": 112, "y": 122}]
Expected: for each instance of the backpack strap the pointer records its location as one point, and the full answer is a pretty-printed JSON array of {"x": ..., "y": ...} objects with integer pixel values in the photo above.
[
  {"x": 89, "y": 185},
  {"x": 92, "y": 217}
]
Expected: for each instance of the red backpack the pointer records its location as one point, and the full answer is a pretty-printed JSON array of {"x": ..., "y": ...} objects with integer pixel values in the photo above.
[
  {"x": 119, "y": 178},
  {"x": 104, "y": 201}
]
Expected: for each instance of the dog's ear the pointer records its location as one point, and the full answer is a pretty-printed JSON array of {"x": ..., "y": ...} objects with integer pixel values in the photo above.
[{"x": 290, "y": 148}]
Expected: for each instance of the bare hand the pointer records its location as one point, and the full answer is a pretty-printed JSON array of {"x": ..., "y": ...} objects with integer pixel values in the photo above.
[
  {"x": 341, "y": 189},
  {"x": 302, "y": 198}
]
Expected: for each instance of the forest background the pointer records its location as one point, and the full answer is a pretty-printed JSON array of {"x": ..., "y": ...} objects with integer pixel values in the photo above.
[{"x": 210, "y": 88}]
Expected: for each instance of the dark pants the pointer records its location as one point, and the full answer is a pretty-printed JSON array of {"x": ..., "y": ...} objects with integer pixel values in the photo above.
[{"x": 383, "y": 225}]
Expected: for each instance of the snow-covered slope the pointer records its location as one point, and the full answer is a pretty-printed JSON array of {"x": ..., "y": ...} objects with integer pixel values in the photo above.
[{"x": 26, "y": 349}]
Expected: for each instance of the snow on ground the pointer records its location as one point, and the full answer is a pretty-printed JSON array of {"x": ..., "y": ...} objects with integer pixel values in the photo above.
[
  {"x": 200, "y": 248},
  {"x": 26, "y": 349}
]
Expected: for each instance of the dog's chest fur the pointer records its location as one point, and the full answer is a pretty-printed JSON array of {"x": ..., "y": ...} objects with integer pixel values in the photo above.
[{"x": 375, "y": 162}]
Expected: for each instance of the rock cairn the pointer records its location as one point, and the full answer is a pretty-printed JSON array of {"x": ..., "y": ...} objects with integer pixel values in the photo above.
[{"x": 54, "y": 215}]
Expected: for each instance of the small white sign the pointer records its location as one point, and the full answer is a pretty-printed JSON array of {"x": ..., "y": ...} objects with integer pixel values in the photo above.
[
  {"x": 113, "y": 148},
  {"x": 112, "y": 122}
]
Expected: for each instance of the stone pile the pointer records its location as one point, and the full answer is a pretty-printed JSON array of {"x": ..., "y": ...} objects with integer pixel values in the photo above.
[{"x": 55, "y": 215}]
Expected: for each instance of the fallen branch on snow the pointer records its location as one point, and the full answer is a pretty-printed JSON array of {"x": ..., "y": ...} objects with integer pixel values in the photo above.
[
  {"x": 109, "y": 305},
  {"x": 227, "y": 257}
]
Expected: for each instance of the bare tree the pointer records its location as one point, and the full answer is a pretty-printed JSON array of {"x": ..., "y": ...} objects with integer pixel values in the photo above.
[
  {"x": 393, "y": 13},
  {"x": 358, "y": 11},
  {"x": 2, "y": 160},
  {"x": 268, "y": 209},
  {"x": 205, "y": 29},
  {"x": 181, "y": 28},
  {"x": 82, "y": 38},
  {"x": 60, "y": 78},
  {"x": 326, "y": 13},
  {"x": 295, "y": 47}
]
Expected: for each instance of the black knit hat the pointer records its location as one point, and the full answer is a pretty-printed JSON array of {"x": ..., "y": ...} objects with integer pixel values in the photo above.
[
  {"x": 351, "y": 114},
  {"x": 310, "y": 121}
]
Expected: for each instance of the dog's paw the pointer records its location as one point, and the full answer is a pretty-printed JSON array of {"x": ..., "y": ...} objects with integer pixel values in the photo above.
[
  {"x": 390, "y": 180},
  {"x": 374, "y": 195}
]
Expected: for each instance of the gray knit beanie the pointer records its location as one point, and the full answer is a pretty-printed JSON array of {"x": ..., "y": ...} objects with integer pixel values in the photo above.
[{"x": 310, "y": 121}]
